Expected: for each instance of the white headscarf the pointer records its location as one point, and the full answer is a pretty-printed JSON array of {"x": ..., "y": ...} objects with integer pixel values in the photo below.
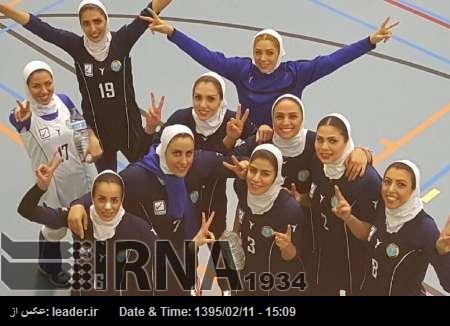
[
  {"x": 262, "y": 203},
  {"x": 167, "y": 135},
  {"x": 210, "y": 126},
  {"x": 296, "y": 145},
  {"x": 104, "y": 230},
  {"x": 99, "y": 50},
  {"x": 337, "y": 169},
  {"x": 397, "y": 217},
  {"x": 35, "y": 107},
  {"x": 280, "y": 42}
]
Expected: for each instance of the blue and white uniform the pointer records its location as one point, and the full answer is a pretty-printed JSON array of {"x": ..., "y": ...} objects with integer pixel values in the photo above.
[
  {"x": 210, "y": 194},
  {"x": 402, "y": 244},
  {"x": 341, "y": 255},
  {"x": 43, "y": 134},
  {"x": 259, "y": 216}
]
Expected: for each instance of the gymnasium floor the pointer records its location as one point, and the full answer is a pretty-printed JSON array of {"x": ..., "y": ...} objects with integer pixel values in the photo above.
[{"x": 397, "y": 98}]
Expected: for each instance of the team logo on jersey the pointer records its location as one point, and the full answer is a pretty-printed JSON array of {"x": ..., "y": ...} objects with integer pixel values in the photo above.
[
  {"x": 392, "y": 250},
  {"x": 121, "y": 256},
  {"x": 194, "y": 197},
  {"x": 266, "y": 231},
  {"x": 116, "y": 65},
  {"x": 44, "y": 133},
  {"x": 89, "y": 70},
  {"x": 159, "y": 207},
  {"x": 303, "y": 175}
]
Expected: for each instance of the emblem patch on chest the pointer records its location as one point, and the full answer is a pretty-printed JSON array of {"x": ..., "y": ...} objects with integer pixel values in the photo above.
[
  {"x": 89, "y": 70},
  {"x": 159, "y": 207}
]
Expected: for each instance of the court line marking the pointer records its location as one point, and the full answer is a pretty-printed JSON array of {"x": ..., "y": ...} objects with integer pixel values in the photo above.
[
  {"x": 404, "y": 41},
  {"x": 392, "y": 146},
  {"x": 411, "y": 8}
]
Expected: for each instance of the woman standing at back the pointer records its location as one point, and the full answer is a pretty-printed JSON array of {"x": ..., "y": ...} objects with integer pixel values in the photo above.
[
  {"x": 104, "y": 72},
  {"x": 260, "y": 80}
]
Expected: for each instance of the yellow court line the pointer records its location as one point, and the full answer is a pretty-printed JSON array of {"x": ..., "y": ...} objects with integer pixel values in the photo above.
[
  {"x": 430, "y": 195},
  {"x": 393, "y": 146}
]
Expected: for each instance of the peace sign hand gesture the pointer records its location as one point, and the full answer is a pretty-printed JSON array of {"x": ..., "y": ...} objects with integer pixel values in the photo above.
[
  {"x": 343, "y": 210},
  {"x": 284, "y": 242},
  {"x": 156, "y": 24},
  {"x": 44, "y": 172},
  {"x": 22, "y": 111},
  {"x": 235, "y": 125},
  {"x": 443, "y": 243},
  {"x": 153, "y": 116},
  {"x": 238, "y": 167},
  {"x": 204, "y": 236},
  {"x": 383, "y": 33},
  {"x": 293, "y": 192}
]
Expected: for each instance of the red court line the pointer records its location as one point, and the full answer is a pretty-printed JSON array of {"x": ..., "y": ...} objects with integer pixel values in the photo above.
[{"x": 418, "y": 13}]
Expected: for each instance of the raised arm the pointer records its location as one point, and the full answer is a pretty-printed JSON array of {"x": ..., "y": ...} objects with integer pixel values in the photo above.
[
  {"x": 129, "y": 34},
  {"x": 159, "y": 5},
  {"x": 229, "y": 68},
  {"x": 28, "y": 207},
  {"x": 325, "y": 65},
  {"x": 61, "y": 38},
  {"x": 18, "y": 16}
]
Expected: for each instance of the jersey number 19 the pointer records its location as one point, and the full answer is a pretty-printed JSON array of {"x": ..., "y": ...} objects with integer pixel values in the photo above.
[{"x": 107, "y": 90}]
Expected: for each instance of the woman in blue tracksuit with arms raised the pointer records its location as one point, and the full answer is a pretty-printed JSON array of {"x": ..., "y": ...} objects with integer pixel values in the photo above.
[
  {"x": 104, "y": 72},
  {"x": 262, "y": 79}
]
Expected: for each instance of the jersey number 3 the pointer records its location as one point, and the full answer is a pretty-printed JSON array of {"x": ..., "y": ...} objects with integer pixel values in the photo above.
[{"x": 107, "y": 90}]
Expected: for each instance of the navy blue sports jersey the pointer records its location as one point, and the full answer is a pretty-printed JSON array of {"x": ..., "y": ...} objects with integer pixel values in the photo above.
[
  {"x": 130, "y": 228},
  {"x": 146, "y": 197},
  {"x": 398, "y": 262},
  {"x": 262, "y": 254},
  {"x": 295, "y": 169},
  {"x": 108, "y": 97},
  {"x": 209, "y": 194},
  {"x": 341, "y": 255}
]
